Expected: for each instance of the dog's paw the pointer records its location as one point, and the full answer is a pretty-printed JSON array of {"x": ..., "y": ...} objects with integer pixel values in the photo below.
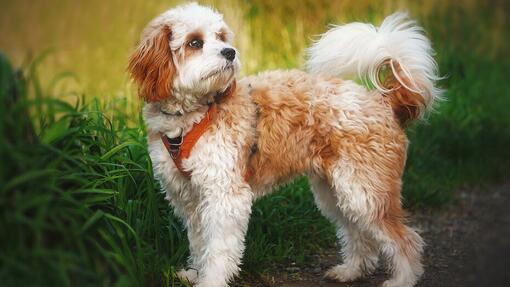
[
  {"x": 189, "y": 275},
  {"x": 343, "y": 273}
]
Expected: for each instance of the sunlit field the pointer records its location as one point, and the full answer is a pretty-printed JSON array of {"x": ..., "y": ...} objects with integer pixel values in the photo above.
[{"x": 78, "y": 203}]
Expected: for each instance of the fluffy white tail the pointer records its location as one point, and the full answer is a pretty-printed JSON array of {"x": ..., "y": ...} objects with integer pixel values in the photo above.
[{"x": 398, "y": 46}]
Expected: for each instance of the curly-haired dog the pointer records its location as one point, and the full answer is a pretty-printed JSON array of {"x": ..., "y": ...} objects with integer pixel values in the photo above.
[{"x": 217, "y": 144}]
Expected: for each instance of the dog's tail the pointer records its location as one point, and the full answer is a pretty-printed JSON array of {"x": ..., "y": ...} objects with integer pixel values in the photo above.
[{"x": 396, "y": 58}]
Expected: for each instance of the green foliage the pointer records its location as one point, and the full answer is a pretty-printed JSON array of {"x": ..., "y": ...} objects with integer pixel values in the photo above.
[
  {"x": 78, "y": 199},
  {"x": 464, "y": 143}
]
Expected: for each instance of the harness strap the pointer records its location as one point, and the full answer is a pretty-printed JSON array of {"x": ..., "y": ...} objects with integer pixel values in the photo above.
[{"x": 180, "y": 147}]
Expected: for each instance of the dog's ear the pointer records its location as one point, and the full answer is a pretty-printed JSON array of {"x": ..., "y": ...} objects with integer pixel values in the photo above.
[{"x": 151, "y": 66}]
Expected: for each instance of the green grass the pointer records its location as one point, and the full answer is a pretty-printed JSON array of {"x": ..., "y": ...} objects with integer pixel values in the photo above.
[{"x": 78, "y": 202}]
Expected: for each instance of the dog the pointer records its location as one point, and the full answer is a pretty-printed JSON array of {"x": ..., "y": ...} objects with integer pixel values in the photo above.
[{"x": 217, "y": 143}]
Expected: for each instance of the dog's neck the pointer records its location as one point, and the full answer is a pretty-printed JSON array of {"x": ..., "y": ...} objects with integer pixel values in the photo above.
[
  {"x": 183, "y": 102},
  {"x": 175, "y": 116}
]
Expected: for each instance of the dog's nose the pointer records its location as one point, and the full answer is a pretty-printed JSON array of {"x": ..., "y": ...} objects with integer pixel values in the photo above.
[{"x": 229, "y": 53}]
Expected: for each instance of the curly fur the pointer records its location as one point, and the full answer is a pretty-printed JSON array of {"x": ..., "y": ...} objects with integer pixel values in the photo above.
[{"x": 282, "y": 124}]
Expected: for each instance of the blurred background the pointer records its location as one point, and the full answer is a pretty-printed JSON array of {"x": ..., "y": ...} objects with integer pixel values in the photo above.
[
  {"x": 93, "y": 39},
  {"x": 78, "y": 203}
]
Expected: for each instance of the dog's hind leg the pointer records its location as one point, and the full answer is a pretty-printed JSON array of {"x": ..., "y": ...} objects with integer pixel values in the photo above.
[
  {"x": 403, "y": 247},
  {"x": 370, "y": 199},
  {"x": 359, "y": 251},
  {"x": 224, "y": 213}
]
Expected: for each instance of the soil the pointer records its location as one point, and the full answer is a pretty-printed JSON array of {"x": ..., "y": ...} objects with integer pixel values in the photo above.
[{"x": 468, "y": 244}]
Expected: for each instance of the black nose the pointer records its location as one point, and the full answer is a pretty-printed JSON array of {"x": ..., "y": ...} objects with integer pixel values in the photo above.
[{"x": 229, "y": 53}]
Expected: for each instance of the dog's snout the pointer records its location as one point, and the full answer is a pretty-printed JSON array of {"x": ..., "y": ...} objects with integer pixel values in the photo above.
[{"x": 229, "y": 53}]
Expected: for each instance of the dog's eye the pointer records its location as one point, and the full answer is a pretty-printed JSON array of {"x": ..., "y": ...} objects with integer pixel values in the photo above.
[{"x": 196, "y": 44}]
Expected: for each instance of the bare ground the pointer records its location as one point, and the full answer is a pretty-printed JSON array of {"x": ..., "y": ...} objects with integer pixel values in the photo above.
[{"x": 468, "y": 244}]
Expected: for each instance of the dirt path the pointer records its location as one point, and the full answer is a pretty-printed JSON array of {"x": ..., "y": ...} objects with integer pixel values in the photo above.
[{"x": 468, "y": 244}]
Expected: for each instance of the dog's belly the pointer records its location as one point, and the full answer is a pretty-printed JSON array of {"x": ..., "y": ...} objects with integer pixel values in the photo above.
[{"x": 307, "y": 123}]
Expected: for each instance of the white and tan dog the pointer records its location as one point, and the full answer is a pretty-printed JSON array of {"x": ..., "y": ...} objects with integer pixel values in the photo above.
[{"x": 217, "y": 144}]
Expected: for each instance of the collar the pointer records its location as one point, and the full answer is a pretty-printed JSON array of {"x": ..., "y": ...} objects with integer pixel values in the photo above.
[{"x": 180, "y": 147}]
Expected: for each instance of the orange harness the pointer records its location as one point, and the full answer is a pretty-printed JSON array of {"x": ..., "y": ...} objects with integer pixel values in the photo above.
[{"x": 180, "y": 147}]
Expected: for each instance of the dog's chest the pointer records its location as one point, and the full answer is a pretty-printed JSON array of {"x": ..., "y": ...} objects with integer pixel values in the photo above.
[{"x": 221, "y": 153}]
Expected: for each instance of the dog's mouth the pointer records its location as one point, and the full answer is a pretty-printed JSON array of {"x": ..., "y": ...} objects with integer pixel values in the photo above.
[{"x": 227, "y": 67}]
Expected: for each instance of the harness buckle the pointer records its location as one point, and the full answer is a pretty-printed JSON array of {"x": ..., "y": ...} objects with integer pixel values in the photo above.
[{"x": 174, "y": 146}]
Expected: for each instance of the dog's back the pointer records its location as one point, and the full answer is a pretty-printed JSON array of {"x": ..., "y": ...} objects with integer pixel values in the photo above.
[{"x": 307, "y": 123}]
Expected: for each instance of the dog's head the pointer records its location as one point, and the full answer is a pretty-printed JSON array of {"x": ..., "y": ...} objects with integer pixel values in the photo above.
[{"x": 184, "y": 57}]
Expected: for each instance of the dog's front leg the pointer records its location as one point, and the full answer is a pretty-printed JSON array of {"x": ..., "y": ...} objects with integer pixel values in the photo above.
[{"x": 224, "y": 212}]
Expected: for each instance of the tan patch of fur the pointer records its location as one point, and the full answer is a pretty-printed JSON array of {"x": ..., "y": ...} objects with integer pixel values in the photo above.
[
  {"x": 152, "y": 68},
  {"x": 189, "y": 51},
  {"x": 408, "y": 241},
  {"x": 299, "y": 131},
  {"x": 292, "y": 129},
  {"x": 222, "y": 35},
  {"x": 284, "y": 136},
  {"x": 407, "y": 105}
]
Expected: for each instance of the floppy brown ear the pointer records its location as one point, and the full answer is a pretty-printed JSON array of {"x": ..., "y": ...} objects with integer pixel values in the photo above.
[{"x": 151, "y": 66}]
